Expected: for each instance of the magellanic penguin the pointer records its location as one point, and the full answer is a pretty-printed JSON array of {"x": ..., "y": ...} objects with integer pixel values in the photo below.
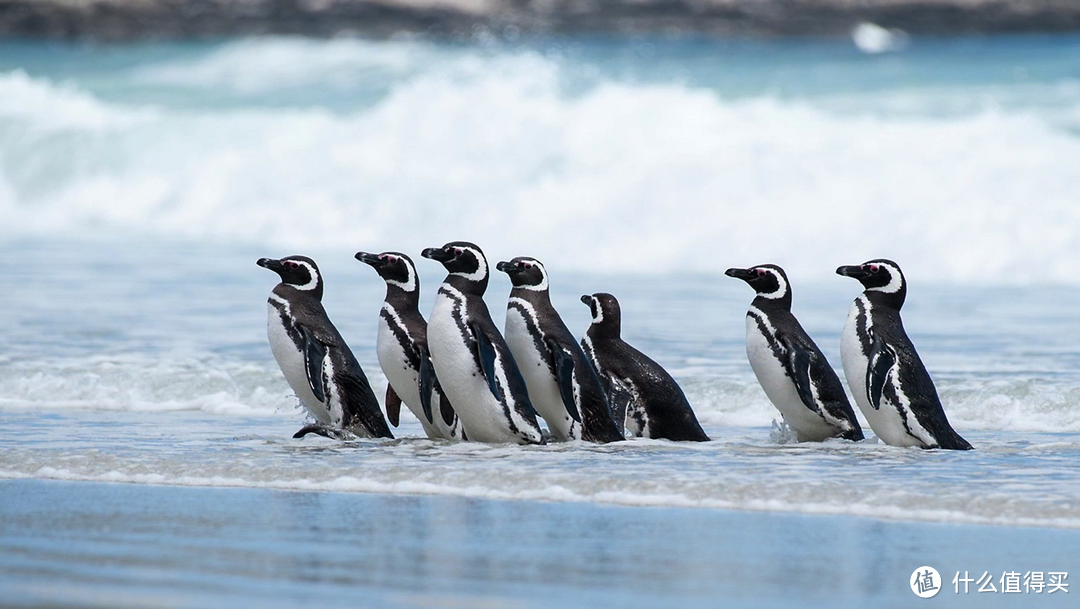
[
  {"x": 471, "y": 359},
  {"x": 886, "y": 376},
  {"x": 563, "y": 386},
  {"x": 314, "y": 358},
  {"x": 794, "y": 373},
  {"x": 403, "y": 352},
  {"x": 640, "y": 392}
]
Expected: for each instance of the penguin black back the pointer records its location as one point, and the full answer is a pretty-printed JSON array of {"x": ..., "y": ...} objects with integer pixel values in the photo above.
[{"x": 654, "y": 404}]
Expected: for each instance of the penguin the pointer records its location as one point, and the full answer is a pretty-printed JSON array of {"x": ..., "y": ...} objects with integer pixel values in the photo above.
[
  {"x": 886, "y": 376},
  {"x": 792, "y": 371},
  {"x": 314, "y": 358},
  {"x": 641, "y": 393},
  {"x": 403, "y": 353},
  {"x": 563, "y": 386},
  {"x": 471, "y": 359}
]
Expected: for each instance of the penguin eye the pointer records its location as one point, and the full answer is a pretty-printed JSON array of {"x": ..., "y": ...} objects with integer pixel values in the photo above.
[
  {"x": 874, "y": 268},
  {"x": 292, "y": 265},
  {"x": 762, "y": 272}
]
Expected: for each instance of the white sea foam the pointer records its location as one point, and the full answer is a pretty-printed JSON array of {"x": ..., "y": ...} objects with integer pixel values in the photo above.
[
  {"x": 169, "y": 383},
  {"x": 45, "y": 108},
  {"x": 145, "y": 384},
  {"x": 833, "y": 478},
  {"x": 499, "y": 148}
]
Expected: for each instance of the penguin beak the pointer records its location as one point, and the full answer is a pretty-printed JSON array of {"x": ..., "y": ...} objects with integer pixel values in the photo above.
[
  {"x": 369, "y": 259},
  {"x": 437, "y": 254},
  {"x": 586, "y": 299},
  {"x": 506, "y": 267},
  {"x": 270, "y": 263},
  {"x": 855, "y": 272},
  {"x": 743, "y": 274}
]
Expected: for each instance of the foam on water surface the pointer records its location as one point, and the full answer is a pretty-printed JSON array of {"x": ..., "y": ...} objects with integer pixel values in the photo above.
[{"x": 563, "y": 154}]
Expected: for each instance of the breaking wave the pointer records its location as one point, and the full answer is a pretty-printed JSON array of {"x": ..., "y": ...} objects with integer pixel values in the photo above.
[{"x": 401, "y": 145}]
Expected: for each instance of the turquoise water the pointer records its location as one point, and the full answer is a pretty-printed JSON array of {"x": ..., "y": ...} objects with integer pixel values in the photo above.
[{"x": 139, "y": 184}]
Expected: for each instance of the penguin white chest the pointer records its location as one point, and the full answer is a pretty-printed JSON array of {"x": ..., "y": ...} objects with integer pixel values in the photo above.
[
  {"x": 461, "y": 379},
  {"x": 396, "y": 366},
  {"x": 852, "y": 357},
  {"x": 778, "y": 386},
  {"x": 543, "y": 389},
  {"x": 886, "y": 421},
  {"x": 291, "y": 361},
  {"x": 769, "y": 370}
]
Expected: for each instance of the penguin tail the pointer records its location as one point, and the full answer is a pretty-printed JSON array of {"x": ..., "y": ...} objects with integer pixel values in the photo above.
[{"x": 953, "y": 441}]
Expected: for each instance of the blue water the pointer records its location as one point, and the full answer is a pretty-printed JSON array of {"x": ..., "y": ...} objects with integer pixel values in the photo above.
[
  {"x": 139, "y": 183},
  {"x": 102, "y": 545}
]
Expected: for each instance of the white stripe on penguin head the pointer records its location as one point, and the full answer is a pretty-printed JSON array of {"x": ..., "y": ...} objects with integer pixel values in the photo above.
[
  {"x": 312, "y": 283},
  {"x": 896, "y": 279},
  {"x": 543, "y": 285},
  {"x": 409, "y": 285},
  {"x": 481, "y": 271},
  {"x": 782, "y": 285}
]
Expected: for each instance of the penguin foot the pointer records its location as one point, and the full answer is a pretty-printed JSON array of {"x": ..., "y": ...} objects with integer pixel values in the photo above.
[{"x": 322, "y": 430}]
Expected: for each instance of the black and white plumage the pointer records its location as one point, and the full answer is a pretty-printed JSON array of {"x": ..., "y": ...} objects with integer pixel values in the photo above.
[
  {"x": 640, "y": 391},
  {"x": 403, "y": 352},
  {"x": 474, "y": 365},
  {"x": 563, "y": 387},
  {"x": 792, "y": 371},
  {"x": 883, "y": 370},
  {"x": 314, "y": 358}
]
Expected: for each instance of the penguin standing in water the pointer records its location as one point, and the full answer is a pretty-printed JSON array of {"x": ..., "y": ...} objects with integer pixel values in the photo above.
[
  {"x": 883, "y": 370},
  {"x": 789, "y": 366},
  {"x": 314, "y": 358},
  {"x": 640, "y": 392},
  {"x": 471, "y": 359},
  {"x": 563, "y": 387},
  {"x": 403, "y": 353}
]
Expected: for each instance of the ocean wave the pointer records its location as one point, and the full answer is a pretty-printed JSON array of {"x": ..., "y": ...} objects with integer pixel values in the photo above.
[
  {"x": 508, "y": 154},
  {"x": 230, "y": 388},
  {"x": 138, "y": 384}
]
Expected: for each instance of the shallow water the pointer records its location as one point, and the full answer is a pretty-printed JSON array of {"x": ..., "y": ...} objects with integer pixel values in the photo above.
[
  {"x": 85, "y": 544},
  {"x": 149, "y": 365}
]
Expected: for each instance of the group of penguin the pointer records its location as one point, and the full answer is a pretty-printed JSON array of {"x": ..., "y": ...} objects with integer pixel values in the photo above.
[{"x": 464, "y": 380}]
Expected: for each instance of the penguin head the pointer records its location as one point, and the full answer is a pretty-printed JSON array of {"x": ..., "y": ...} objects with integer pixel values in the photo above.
[
  {"x": 395, "y": 268},
  {"x": 606, "y": 315},
  {"x": 768, "y": 280},
  {"x": 298, "y": 272},
  {"x": 462, "y": 259},
  {"x": 879, "y": 276},
  {"x": 525, "y": 272}
]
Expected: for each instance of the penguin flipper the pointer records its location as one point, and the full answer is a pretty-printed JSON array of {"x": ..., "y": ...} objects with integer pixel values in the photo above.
[
  {"x": 427, "y": 382},
  {"x": 564, "y": 374},
  {"x": 486, "y": 352},
  {"x": 620, "y": 397},
  {"x": 878, "y": 371},
  {"x": 445, "y": 407},
  {"x": 393, "y": 406},
  {"x": 314, "y": 354},
  {"x": 799, "y": 361}
]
